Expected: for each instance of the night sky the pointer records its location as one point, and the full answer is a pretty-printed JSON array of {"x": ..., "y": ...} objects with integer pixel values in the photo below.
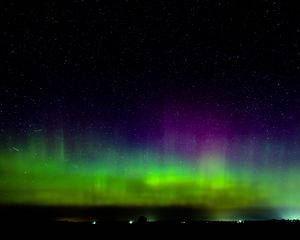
[{"x": 145, "y": 103}]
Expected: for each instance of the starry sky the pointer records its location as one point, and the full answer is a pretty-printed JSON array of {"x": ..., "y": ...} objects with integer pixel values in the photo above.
[{"x": 190, "y": 102}]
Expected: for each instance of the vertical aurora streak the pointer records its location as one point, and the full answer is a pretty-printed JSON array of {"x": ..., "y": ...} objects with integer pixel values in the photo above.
[{"x": 222, "y": 175}]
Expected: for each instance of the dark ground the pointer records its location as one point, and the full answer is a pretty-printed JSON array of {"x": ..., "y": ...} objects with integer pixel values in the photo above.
[
  {"x": 151, "y": 215},
  {"x": 107, "y": 223}
]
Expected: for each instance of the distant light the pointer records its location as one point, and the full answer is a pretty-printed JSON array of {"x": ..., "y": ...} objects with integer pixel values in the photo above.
[
  {"x": 130, "y": 222},
  {"x": 240, "y": 221},
  {"x": 94, "y": 222},
  {"x": 291, "y": 215},
  {"x": 182, "y": 222}
]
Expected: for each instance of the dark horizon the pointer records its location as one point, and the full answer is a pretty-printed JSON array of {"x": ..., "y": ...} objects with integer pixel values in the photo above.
[{"x": 132, "y": 213}]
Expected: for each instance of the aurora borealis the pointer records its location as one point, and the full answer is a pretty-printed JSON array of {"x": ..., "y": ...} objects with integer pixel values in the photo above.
[
  {"x": 162, "y": 104},
  {"x": 235, "y": 175}
]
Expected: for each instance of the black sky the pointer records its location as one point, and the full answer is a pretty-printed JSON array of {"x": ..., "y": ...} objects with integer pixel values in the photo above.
[{"x": 106, "y": 64}]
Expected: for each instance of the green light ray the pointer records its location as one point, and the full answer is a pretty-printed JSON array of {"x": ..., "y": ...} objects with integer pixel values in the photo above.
[{"x": 44, "y": 173}]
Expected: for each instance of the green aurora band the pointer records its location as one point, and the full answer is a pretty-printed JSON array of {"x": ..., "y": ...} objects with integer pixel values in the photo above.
[{"x": 48, "y": 174}]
